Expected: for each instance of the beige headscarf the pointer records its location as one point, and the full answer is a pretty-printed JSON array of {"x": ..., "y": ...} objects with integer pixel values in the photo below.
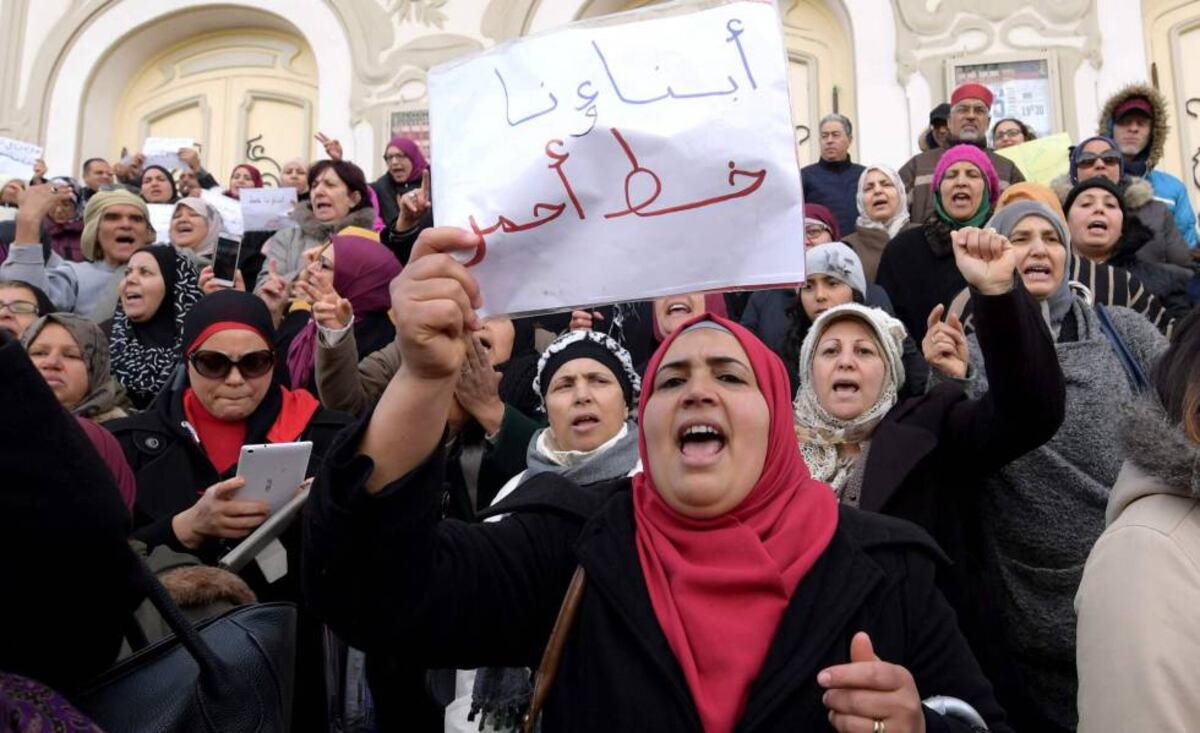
[
  {"x": 96, "y": 206},
  {"x": 104, "y": 394},
  {"x": 899, "y": 219},
  {"x": 211, "y": 216},
  {"x": 820, "y": 433}
]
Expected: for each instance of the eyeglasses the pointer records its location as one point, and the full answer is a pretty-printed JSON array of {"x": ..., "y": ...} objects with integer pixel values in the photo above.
[
  {"x": 1087, "y": 160},
  {"x": 971, "y": 109},
  {"x": 215, "y": 365},
  {"x": 1013, "y": 132},
  {"x": 394, "y": 156},
  {"x": 19, "y": 307},
  {"x": 815, "y": 231}
]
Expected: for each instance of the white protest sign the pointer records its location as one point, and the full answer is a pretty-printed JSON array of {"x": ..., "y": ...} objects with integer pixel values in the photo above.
[
  {"x": 164, "y": 151},
  {"x": 231, "y": 212},
  {"x": 612, "y": 161},
  {"x": 267, "y": 209},
  {"x": 17, "y": 158},
  {"x": 160, "y": 219}
]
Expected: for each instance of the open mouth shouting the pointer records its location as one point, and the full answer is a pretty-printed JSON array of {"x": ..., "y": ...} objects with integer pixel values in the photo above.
[
  {"x": 1098, "y": 225},
  {"x": 1037, "y": 272},
  {"x": 700, "y": 443}
]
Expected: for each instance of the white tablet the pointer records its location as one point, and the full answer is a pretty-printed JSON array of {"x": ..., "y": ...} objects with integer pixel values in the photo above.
[{"x": 272, "y": 472}]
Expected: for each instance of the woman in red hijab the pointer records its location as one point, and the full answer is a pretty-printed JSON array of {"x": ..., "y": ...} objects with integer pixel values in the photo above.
[
  {"x": 724, "y": 587},
  {"x": 243, "y": 176}
]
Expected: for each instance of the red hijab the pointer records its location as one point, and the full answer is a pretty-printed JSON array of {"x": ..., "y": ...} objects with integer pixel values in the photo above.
[
  {"x": 720, "y": 586},
  {"x": 255, "y": 175}
]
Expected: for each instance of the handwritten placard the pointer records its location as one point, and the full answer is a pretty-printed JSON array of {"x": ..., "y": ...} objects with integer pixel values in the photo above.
[
  {"x": 164, "y": 151},
  {"x": 625, "y": 159},
  {"x": 230, "y": 210},
  {"x": 1042, "y": 160},
  {"x": 160, "y": 219},
  {"x": 17, "y": 158},
  {"x": 267, "y": 209}
]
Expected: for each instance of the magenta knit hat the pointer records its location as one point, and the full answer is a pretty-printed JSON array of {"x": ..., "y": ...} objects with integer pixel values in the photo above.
[{"x": 971, "y": 154}]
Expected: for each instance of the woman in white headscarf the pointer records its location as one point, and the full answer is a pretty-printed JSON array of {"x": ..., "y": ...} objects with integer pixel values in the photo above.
[
  {"x": 195, "y": 229},
  {"x": 882, "y": 214}
]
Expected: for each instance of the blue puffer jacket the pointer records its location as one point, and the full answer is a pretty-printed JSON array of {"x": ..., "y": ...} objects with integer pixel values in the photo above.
[{"x": 1171, "y": 191}]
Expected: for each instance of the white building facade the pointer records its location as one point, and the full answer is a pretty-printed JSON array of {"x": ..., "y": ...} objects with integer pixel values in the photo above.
[{"x": 256, "y": 79}]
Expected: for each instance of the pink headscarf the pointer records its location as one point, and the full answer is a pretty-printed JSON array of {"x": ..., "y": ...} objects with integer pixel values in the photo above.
[{"x": 413, "y": 151}]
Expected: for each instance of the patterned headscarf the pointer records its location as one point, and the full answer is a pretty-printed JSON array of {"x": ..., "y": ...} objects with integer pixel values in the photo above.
[
  {"x": 101, "y": 394},
  {"x": 820, "y": 433},
  {"x": 145, "y": 354}
]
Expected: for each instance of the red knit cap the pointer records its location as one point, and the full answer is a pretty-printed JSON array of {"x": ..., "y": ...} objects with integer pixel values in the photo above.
[{"x": 972, "y": 90}]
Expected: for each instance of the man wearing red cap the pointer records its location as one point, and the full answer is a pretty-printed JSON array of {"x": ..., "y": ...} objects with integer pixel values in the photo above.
[
  {"x": 1136, "y": 118},
  {"x": 970, "y": 117}
]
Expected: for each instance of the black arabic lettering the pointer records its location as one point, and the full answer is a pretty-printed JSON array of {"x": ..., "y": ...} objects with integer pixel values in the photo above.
[
  {"x": 735, "y": 33},
  {"x": 526, "y": 118},
  {"x": 640, "y": 208}
]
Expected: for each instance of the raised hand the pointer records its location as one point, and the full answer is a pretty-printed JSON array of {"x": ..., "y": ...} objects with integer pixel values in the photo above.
[
  {"x": 333, "y": 147},
  {"x": 34, "y": 205},
  {"x": 985, "y": 258},
  {"x": 207, "y": 285},
  {"x": 584, "y": 320},
  {"x": 869, "y": 694},
  {"x": 434, "y": 300},
  {"x": 274, "y": 291},
  {"x": 191, "y": 157},
  {"x": 945, "y": 344},
  {"x": 413, "y": 205},
  {"x": 330, "y": 310},
  {"x": 478, "y": 389}
]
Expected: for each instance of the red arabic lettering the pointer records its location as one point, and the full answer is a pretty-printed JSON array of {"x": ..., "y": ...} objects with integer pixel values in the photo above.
[
  {"x": 640, "y": 208},
  {"x": 508, "y": 226}
]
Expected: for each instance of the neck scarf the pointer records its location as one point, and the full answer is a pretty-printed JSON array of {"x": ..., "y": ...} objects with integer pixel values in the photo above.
[
  {"x": 362, "y": 269},
  {"x": 616, "y": 458},
  {"x": 820, "y": 434},
  {"x": 899, "y": 219},
  {"x": 720, "y": 586},
  {"x": 144, "y": 355},
  {"x": 212, "y": 217},
  {"x": 101, "y": 396},
  {"x": 977, "y": 219},
  {"x": 222, "y": 440}
]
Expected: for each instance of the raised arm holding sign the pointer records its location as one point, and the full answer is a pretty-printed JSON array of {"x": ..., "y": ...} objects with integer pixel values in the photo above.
[{"x": 613, "y": 162}]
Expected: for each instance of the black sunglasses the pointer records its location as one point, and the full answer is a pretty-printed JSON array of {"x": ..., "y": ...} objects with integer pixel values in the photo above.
[
  {"x": 1107, "y": 158},
  {"x": 215, "y": 365}
]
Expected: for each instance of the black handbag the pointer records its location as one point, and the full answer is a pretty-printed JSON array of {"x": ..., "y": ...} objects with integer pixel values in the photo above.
[{"x": 229, "y": 674}]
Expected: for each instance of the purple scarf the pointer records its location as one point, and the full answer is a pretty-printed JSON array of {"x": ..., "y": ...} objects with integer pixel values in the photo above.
[
  {"x": 413, "y": 151},
  {"x": 362, "y": 270}
]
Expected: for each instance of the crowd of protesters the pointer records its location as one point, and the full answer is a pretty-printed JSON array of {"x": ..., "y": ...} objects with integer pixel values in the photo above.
[{"x": 949, "y": 482}]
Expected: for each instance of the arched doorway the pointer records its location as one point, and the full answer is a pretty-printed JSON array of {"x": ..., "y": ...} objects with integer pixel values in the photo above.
[{"x": 243, "y": 95}]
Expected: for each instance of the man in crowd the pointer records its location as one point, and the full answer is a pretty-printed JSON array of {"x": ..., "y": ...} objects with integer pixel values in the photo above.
[
  {"x": 1136, "y": 117},
  {"x": 96, "y": 173},
  {"x": 937, "y": 134},
  {"x": 833, "y": 180},
  {"x": 970, "y": 118}
]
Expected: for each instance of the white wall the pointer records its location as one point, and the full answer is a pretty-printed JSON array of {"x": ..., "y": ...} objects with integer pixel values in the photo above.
[{"x": 312, "y": 18}]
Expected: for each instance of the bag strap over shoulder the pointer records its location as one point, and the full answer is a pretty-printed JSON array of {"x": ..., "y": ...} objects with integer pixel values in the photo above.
[
  {"x": 553, "y": 654},
  {"x": 1133, "y": 371}
]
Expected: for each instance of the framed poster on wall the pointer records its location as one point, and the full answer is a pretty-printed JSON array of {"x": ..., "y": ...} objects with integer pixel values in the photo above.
[
  {"x": 414, "y": 124},
  {"x": 1025, "y": 87}
]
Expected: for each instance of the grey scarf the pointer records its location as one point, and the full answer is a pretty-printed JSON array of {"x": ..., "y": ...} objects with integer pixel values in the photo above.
[{"x": 610, "y": 461}]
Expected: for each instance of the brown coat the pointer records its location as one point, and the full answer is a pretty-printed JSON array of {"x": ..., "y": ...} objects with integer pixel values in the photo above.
[
  {"x": 348, "y": 385},
  {"x": 868, "y": 244},
  {"x": 917, "y": 175}
]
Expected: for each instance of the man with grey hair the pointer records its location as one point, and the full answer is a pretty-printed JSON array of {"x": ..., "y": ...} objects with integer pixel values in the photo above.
[{"x": 833, "y": 180}]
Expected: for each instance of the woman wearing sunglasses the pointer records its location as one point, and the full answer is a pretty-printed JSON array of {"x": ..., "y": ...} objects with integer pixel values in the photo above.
[
  {"x": 184, "y": 449},
  {"x": 1099, "y": 157}
]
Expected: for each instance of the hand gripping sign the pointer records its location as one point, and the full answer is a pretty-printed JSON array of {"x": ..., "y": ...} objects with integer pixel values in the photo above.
[{"x": 626, "y": 158}]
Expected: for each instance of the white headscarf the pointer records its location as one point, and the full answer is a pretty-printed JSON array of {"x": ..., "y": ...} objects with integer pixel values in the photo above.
[
  {"x": 213, "y": 217},
  {"x": 820, "y": 433},
  {"x": 899, "y": 219}
]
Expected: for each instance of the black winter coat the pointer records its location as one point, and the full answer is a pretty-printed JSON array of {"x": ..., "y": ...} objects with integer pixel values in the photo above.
[
  {"x": 383, "y": 571},
  {"x": 918, "y": 271},
  {"x": 172, "y": 469}
]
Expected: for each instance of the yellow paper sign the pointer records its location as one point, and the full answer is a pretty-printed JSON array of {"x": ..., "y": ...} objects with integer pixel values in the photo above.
[{"x": 1042, "y": 160}]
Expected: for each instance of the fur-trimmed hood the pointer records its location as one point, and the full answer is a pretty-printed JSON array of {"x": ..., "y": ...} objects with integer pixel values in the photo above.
[
  {"x": 1138, "y": 191},
  {"x": 1163, "y": 459},
  {"x": 1160, "y": 128},
  {"x": 314, "y": 228}
]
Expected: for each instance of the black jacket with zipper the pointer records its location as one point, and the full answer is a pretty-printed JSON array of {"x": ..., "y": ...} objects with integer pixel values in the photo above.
[{"x": 386, "y": 573}]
